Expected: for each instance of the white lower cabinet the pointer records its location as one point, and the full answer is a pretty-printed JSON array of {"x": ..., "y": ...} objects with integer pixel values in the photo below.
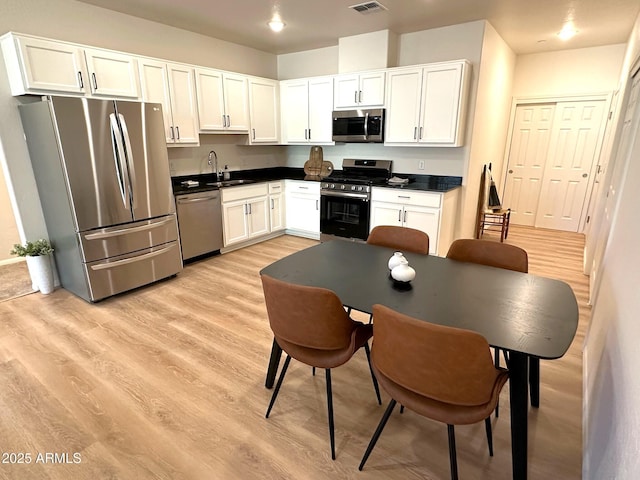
[
  {"x": 433, "y": 213},
  {"x": 303, "y": 208},
  {"x": 245, "y": 213},
  {"x": 276, "y": 206}
]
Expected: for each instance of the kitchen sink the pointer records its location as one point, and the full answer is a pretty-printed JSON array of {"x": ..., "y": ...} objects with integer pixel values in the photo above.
[{"x": 229, "y": 183}]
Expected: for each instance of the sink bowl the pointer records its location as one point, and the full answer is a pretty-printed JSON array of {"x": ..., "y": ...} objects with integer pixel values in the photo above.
[{"x": 229, "y": 183}]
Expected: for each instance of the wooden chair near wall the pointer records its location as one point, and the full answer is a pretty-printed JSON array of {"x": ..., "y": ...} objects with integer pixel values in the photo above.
[
  {"x": 442, "y": 373},
  {"x": 311, "y": 325},
  {"x": 490, "y": 213}
]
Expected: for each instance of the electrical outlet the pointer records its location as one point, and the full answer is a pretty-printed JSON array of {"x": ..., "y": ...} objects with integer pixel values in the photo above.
[{"x": 421, "y": 165}]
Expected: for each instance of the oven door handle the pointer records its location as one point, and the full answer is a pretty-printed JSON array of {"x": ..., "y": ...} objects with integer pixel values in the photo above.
[{"x": 329, "y": 193}]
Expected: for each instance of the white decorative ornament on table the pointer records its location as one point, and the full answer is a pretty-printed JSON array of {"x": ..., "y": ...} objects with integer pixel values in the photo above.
[
  {"x": 395, "y": 260},
  {"x": 403, "y": 272}
]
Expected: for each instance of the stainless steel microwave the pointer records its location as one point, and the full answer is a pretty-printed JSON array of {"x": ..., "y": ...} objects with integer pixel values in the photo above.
[{"x": 358, "y": 126}]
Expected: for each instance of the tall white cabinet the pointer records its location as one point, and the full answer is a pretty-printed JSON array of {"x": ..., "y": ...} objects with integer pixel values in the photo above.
[
  {"x": 426, "y": 105},
  {"x": 264, "y": 110},
  {"x": 172, "y": 85},
  {"x": 306, "y": 106},
  {"x": 222, "y": 101}
]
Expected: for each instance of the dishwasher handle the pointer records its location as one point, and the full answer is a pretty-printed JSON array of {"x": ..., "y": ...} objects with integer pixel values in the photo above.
[{"x": 182, "y": 201}]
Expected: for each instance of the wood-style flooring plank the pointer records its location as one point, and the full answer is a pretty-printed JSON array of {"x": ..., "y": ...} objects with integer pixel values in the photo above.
[{"x": 167, "y": 382}]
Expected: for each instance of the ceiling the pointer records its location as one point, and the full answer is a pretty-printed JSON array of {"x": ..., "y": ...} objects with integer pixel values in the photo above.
[{"x": 528, "y": 26}]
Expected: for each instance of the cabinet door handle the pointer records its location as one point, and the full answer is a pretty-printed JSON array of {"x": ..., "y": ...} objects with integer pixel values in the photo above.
[
  {"x": 404, "y": 196},
  {"x": 228, "y": 121},
  {"x": 254, "y": 133},
  {"x": 399, "y": 215},
  {"x": 80, "y": 79},
  {"x": 420, "y": 138},
  {"x": 172, "y": 135},
  {"x": 272, "y": 204},
  {"x": 306, "y": 137},
  {"x": 224, "y": 121},
  {"x": 360, "y": 96},
  {"x": 95, "y": 82},
  {"x": 309, "y": 134},
  {"x": 249, "y": 205},
  {"x": 317, "y": 206},
  {"x": 405, "y": 217},
  {"x": 178, "y": 132},
  {"x": 355, "y": 96},
  {"x": 415, "y": 133}
]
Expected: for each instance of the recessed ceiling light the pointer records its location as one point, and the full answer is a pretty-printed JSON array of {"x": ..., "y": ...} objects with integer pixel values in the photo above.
[
  {"x": 276, "y": 24},
  {"x": 567, "y": 32}
]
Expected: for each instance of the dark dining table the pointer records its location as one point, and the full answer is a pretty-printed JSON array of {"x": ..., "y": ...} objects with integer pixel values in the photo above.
[{"x": 531, "y": 317}]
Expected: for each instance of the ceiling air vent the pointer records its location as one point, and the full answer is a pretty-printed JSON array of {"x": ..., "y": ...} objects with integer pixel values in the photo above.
[{"x": 368, "y": 7}]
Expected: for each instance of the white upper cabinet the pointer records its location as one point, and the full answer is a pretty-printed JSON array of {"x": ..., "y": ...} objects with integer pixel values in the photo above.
[
  {"x": 172, "y": 86},
  {"x": 306, "y": 107},
  {"x": 112, "y": 74},
  {"x": 361, "y": 90},
  {"x": 427, "y": 105},
  {"x": 37, "y": 66},
  {"x": 222, "y": 101},
  {"x": 43, "y": 66},
  {"x": 264, "y": 111}
]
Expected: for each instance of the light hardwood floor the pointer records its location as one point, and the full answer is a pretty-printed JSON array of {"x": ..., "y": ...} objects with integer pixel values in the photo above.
[{"x": 167, "y": 382}]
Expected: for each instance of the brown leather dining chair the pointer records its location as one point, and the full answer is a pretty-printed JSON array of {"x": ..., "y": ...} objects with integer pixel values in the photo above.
[
  {"x": 311, "y": 325},
  {"x": 493, "y": 254},
  {"x": 442, "y": 373},
  {"x": 404, "y": 239}
]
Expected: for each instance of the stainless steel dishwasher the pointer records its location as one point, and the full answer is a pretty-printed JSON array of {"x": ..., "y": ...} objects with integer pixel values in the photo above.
[{"x": 200, "y": 223}]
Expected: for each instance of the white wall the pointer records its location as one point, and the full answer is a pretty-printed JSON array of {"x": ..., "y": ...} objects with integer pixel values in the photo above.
[
  {"x": 569, "y": 72},
  {"x": 310, "y": 63},
  {"x": 612, "y": 359},
  {"x": 490, "y": 123},
  {"x": 85, "y": 24},
  {"x": 230, "y": 149}
]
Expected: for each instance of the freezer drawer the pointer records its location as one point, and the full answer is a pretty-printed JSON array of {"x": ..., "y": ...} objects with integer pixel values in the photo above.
[
  {"x": 110, "y": 242},
  {"x": 125, "y": 272}
]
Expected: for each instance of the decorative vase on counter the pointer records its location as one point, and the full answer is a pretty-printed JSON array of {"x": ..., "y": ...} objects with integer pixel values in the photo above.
[
  {"x": 403, "y": 272},
  {"x": 395, "y": 260}
]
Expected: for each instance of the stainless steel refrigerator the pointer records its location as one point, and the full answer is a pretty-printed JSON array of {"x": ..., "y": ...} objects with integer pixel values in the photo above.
[{"x": 103, "y": 178}]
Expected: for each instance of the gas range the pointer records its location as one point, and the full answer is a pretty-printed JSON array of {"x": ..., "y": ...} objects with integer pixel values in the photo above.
[{"x": 357, "y": 176}]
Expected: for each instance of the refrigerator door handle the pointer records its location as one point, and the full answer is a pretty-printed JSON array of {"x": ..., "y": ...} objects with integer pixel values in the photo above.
[
  {"x": 129, "y": 160},
  {"x": 126, "y": 261},
  {"x": 118, "y": 157},
  {"x": 125, "y": 231}
]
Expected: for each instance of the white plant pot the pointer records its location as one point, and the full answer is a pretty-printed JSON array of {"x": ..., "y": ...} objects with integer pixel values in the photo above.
[
  {"x": 41, "y": 271},
  {"x": 32, "y": 272}
]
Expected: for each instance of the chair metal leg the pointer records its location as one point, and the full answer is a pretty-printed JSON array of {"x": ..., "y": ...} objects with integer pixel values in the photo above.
[
  {"x": 330, "y": 414},
  {"x": 313, "y": 371},
  {"x": 278, "y": 385},
  {"x": 376, "y": 435},
  {"x": 496, "y": 362},
  {"x": 452, "y": 452},
  {"x": 401, "y": 409},
  {"x": 373, "y": 377},
  {"x": 487, "y": 427}
]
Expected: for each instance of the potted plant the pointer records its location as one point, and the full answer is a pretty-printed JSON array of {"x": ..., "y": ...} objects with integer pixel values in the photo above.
[{"x": 38, "y": 256}]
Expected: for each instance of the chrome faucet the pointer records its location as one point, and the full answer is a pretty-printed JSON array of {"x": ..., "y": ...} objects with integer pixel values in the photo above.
[{"x": 214, "y": 164}]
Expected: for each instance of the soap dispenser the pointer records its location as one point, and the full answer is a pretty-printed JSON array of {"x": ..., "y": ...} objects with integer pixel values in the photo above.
[{"x": 226, "y": 174}]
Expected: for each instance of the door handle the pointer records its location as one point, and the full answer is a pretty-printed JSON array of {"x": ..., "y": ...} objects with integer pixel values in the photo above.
[
  {"x": 272, "y": 204},
  {"x": 420, "y": 137},
  {"x": 317, "y": 207},
  {"x": 360, "y": 96},
  {"x": 228, "y": 121},
  {"x": 415, "y": 133},
  {"x": 178, "y": 131},
  {"x": 172, "y": 135},
  {"x": 224, "y": 121},
  {"x": 309, "y": 134},
  {"x": 80, "y": 79},
  {"x": 355, "y": 97},
  {"x": 254, "y": 133},
  {"x": 584, "y": 175},
  {"x": 399, "y": 215},
  {"x": 95, "y": 82},
  {"x": 405, "y": 217},
  {"x": 510, "y": 171}
]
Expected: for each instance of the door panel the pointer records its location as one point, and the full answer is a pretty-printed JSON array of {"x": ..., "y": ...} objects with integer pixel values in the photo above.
[
  {"x": 148, "y": 161},
  {"x": 527, "y": 157},
  {"x": 574, "y": 147},
  {"x": 94, "y": 177}
]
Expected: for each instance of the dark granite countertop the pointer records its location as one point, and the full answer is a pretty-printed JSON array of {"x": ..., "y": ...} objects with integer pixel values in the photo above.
[{"x": 427, "y": 183}]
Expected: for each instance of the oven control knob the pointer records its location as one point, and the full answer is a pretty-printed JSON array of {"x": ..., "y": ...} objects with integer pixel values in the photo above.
[
  {"x": 360, "y": 188},
  {"x": 342, "y": 187},
  {"x": 333, "y": 185},
  {"x": 353, "y": 187}
]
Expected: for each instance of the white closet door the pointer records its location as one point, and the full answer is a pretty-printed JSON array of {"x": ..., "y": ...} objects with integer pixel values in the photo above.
[{"x": 573, "y": 150}]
